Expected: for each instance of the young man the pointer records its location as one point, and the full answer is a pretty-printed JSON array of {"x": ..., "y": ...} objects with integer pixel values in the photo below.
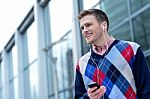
[{"x": 117, "y": 66}]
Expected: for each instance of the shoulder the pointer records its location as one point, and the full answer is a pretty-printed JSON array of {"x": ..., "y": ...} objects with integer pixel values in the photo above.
[
  {"x": 133, "y": 44},
  {"x": 128, "y": 45},
  {"x": 123, "y": 42},
  {"x": 85, "y": 56},
  {"x": 82, "y": 62}
]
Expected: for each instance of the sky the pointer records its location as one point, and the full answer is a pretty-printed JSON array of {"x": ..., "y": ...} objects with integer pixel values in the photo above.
[{"x": 12, "y": 12}]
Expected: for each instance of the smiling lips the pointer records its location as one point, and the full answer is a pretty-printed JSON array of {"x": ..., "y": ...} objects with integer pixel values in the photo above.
[{"x": 87, "y": 35}]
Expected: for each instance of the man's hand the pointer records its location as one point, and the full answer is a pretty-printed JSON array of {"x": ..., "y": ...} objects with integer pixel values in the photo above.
[{"x": 97, "y": 93}]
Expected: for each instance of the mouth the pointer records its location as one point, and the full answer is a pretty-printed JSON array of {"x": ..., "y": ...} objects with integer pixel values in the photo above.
[{"x": 88, "y": 35}]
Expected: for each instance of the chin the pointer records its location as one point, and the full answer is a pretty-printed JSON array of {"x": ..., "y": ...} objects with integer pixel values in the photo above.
[{"x": 89, "y": 42}]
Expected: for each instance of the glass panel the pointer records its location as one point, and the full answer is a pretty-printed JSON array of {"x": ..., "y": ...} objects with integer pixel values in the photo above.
[
  {"x": 122, "y": 33},
  {"x": 1, "y": 81},
  {"x": 68, "y": 93},
  {"x": 16, "y": 88},
  {"x": 51, "y": 97},
  {"x": 63, "y": 49},
  {"x": 141, "y": 28},
  {"x": 10, "y": 65},
  {"x": 15, "y": 61},
  {"x": 11, "y": 89},
  {"x": 89, "y": 4},
  {"x": 0, "y": 75},
  {"x": 32, "y": 42},
  {"x": 148, "y": 60},
  {"x": 116, "y": 11},
  {"x": 64, "y": 66},
  {"x": 62, "y": 95},
  {"x": 85, "y": 46},
  {"x": 137, "y": 4},
  {"x": 1, "y": 90},
  {"x": 61, "y": 17},
  {"x": 3, "y": 78},
  {"x": 33, "y": 80},
  {"x": 15, "y": 73}
]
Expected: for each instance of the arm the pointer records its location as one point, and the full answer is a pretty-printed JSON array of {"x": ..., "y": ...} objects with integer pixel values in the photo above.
[
  {"x": 141, "y": 74},
  {"x": 80, "y": 91}
]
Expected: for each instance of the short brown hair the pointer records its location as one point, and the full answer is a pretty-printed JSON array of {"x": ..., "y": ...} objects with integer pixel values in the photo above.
[{"x": 99, "y": 15}]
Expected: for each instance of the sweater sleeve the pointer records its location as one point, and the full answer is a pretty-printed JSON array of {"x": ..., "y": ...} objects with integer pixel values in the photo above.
[
  {"x": 141, "y": 74},
  {"x": 80, "y": 91}
]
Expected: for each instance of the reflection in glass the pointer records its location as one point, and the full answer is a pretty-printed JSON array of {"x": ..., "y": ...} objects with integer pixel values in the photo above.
[
  {"x": 16, "y": 88},
  {"x": 137, "y": 4},
  {"x": 15, "y": 61},
  {"x": 1, "y": 89},
  {"x": 116, "y": 11},
  {"x": 141, "y": 27},
  {"x": 122, "y": 33},
  {"x": 32, "y": 54},
  {"x": 148, "y": 60},
  {"x": 64, "y": 67},
  {"x": 61, "y": 18},
  {"x": 85, "y": 46},
  {"x": 33, "y": 80},
  {"x": 62, "y": 51},
  {"x": 89, "y": 4},
  {"x": 32, "y": 42},
  {"x": 15, "y": 72}
]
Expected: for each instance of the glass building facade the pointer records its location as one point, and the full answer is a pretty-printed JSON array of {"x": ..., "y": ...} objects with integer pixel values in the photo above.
[{"x": 39, "y": 60}]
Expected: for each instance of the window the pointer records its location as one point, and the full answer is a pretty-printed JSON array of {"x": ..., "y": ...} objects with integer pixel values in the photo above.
[
  {"x": 1, "y": 86},
  {"x": 122, "y": 32},
  {"x": 148, "y": 60},
  {"x": 141, "y": 29},
  {"x": 31, "y": 69},
  {"x": 137, "y": 4},
  {"x": 89, "y": 4},
  {"x": 116, "y": 11},
  {"x": 32, "y": 43},
  {"x": 61, "y": 23}
]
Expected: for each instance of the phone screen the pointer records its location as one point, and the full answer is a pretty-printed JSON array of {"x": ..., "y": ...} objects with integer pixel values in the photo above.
[{"x": 91, "y": 85}]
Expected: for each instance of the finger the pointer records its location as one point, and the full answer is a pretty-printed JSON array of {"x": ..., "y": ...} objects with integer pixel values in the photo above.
[
  {"x": 95, "y": 97},
  {"x": 90, "y": 90},
  {"x": 95, "y": 93},
  {"x": 102, "y": 91}
]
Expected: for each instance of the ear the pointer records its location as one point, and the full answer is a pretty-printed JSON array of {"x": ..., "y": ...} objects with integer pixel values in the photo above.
[
  {"x": 103, "y": 28},
  {"x": 104, "y": 25}
]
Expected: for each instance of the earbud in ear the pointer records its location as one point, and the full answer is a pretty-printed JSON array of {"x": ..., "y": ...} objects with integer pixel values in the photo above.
[{"x": 103, "y": 28}]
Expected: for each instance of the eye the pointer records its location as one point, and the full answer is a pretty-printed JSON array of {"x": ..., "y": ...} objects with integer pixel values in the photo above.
[
  {"x": 87, "y": 25},
  {"x": 82, "y": 27}
]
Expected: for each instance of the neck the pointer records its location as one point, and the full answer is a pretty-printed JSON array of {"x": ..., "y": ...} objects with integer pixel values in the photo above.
[
  {"x": 103, "y": 40},
  {"x": 101, "y": 49}
]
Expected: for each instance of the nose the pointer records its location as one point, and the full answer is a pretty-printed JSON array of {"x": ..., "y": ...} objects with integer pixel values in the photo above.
[{"x": 85, "y": 29}]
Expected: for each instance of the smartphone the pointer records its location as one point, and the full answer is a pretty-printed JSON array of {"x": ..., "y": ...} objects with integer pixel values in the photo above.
[{"x": 91, "y": 85}]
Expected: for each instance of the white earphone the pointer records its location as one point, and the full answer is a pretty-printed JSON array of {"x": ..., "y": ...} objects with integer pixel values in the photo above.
[{"x": 103, "y": 28}]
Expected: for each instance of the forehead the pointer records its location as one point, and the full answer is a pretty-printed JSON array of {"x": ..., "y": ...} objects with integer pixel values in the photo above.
[{"x": 88, "y": 19}]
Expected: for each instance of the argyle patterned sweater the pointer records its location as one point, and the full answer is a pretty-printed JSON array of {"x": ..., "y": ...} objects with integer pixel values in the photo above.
[{"x": 123, "y": 70}]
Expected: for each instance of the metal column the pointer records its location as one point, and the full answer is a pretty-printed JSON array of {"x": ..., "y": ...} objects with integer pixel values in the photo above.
[
  {"x": 23, "y": 80},
  {"x": 5, "y": 93},
  {"x": 41, "y": 15},
  {"x": 77, "y": 51}
]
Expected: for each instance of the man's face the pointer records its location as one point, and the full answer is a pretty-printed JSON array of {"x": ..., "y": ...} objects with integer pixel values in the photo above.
[{"x": 91, "y": 29}]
